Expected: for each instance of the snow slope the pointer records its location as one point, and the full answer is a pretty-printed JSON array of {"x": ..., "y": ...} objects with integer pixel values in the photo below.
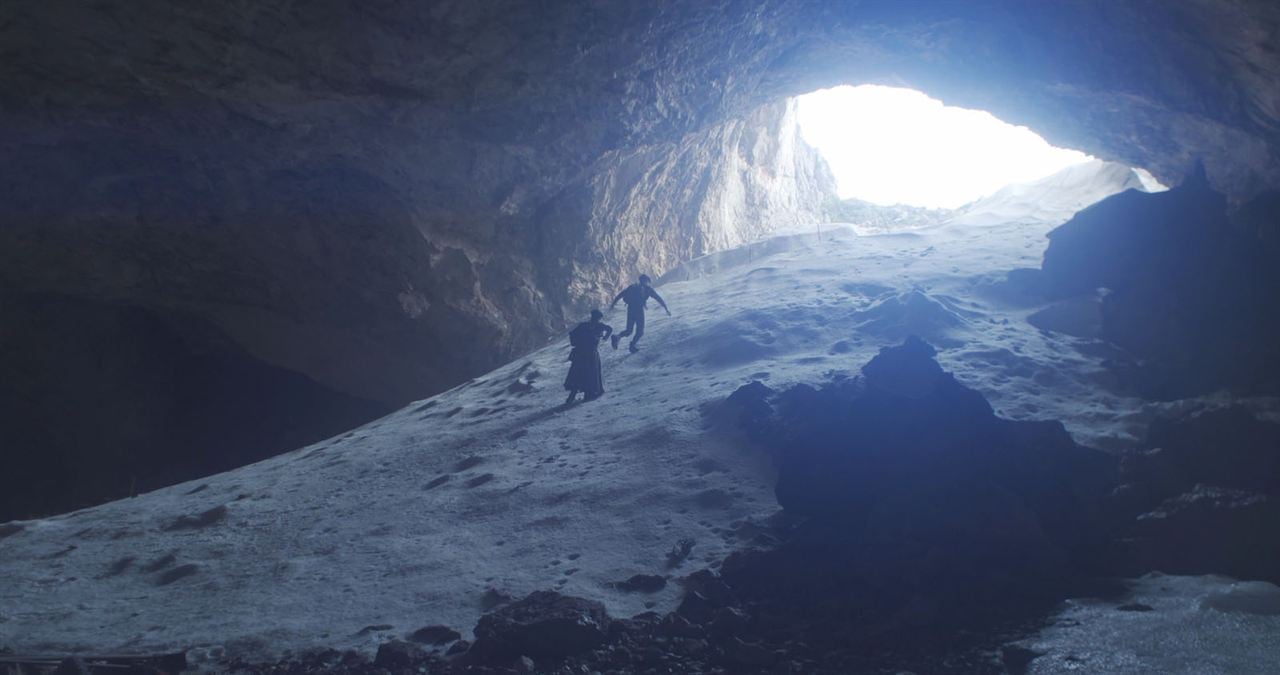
[
  {"x": 436, "y": 512},
  {"x": 1055, "y": 198}
]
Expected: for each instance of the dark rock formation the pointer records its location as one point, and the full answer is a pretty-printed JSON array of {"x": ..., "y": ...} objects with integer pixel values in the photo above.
[
  {"x": 544, "y": 624},
  {"x": 1189, "y": 294},
  {"x": 921, "y": 505},
  {"x": 1225, "y": 446},
  {"x": 1203, "y": 497},
  {"x": 1210, "y": 529},
  {"x": 397, "y": 654}
]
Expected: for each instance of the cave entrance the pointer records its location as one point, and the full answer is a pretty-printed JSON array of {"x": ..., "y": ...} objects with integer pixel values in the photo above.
[{"x": 889, "y": 146}]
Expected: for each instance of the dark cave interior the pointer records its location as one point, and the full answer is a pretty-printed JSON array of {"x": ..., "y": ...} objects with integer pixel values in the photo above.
[{"x": 230, "y": 231}]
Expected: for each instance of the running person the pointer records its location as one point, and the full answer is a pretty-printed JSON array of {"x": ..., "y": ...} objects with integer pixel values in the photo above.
[{"x": 636, "y": 295}]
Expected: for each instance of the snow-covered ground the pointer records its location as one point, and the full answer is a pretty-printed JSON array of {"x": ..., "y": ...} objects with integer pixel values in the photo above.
[
  {"x": 434, "y": 513},
  {"x": 1168, "y": 625}
]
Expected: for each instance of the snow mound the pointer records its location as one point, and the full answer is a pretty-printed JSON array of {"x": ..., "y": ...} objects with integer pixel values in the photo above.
[{"x": 914, "y": 313}]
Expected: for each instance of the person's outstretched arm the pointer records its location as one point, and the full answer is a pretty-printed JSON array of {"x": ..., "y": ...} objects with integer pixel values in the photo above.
[
  {"x": 616, "y": 298},
  {"x": 608, "y": 330},
  {"x": 657, "y": 297}
]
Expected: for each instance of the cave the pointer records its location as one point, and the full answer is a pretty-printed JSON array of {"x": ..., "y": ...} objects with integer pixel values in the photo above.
[{"x": 302, "y": 251}]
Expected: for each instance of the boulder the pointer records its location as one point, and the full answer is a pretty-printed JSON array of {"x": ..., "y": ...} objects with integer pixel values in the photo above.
[
  {"x": 911, "y": 428},
  {"x": 397, "y": 654},
  {"x": 542, "y": 625},
  {"x": 914, "y": 491}
]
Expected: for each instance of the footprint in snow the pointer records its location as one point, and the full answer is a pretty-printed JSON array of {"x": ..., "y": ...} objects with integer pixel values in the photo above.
[
  {"x": 480, "y": 480},
  {"x": 467, "y": 463},
  {"x": 180, "y": 572}
]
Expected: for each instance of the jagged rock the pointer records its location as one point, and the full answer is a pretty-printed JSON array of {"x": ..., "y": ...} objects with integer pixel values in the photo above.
[
  {"x": 1188, "y": 294},
  {"x": 911, "y": 483},
  {"x": 750, "y": 404},
  {"x": 543, "y": 624},
  {"x": 397, "y": 654},
  {"x": 913, "y": 428},
  {"x": 1119, "y": 241},
  {"x": 435, "y": 635}
]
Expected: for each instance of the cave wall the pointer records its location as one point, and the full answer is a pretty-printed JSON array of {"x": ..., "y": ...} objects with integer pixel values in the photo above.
[
  {"x": 389, "y": 197},
  {"x": 648, "y": 209}
]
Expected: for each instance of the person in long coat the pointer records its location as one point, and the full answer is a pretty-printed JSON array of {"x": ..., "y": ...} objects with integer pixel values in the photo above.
[{"x": 585, "y": 374}]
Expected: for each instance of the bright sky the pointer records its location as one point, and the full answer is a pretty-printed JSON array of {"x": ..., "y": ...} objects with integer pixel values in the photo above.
[{"x": 898, "y": 146}]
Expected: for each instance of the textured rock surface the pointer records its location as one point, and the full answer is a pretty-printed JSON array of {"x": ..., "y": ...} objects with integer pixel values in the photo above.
[
  {"x": 389, "y": 197},
  {"x": 544, "y": 624},
  {"x": 1202, "y": 497},
  {"x": 907, "y": 480},
  {"x": 1190, "y": 293}
]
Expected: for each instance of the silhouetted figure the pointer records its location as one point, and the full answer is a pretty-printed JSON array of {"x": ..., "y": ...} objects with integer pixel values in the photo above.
[
  {"x": 585, "y": 374},
  {"x": 636, "y": 295}
]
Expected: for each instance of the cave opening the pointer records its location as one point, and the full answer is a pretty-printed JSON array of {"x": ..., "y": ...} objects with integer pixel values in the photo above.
[{"x": 895, "y": 147}]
